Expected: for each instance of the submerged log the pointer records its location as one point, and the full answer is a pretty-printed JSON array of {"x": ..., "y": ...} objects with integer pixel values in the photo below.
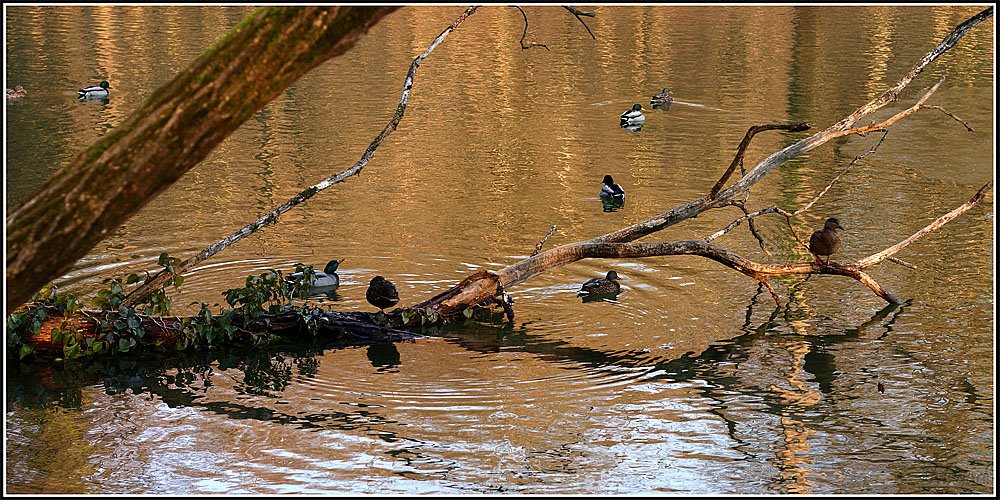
[{"x": 166, "y": 332}]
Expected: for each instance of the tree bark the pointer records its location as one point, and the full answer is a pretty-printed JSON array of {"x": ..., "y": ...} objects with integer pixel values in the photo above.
[{"x": 168, "y": 134}]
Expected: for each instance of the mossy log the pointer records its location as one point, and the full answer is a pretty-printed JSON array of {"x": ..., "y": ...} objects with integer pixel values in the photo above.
[{"x": 165, "y": 332}]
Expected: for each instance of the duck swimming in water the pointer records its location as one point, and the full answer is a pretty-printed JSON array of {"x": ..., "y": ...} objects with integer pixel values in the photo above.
[
  {"x": 633, "y": 116},
  {"x": 607, "y": 285},
  {"x": 381, "y": 293},
  {"x": 825, "y": 242},
  {"x": 16, "y": 92},
  {"x": 99, "y": 91},
  {"x": 662, "y": 99},
  {"x": 611, "y": 189},
  {"x": 326, "y": 280}
]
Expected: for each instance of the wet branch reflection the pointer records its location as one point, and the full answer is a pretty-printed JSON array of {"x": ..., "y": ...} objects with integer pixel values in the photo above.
[{"x": 719, "y": 374}]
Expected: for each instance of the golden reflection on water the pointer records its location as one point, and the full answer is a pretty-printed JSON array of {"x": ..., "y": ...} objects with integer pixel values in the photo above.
[{"x": 661, "y": 390}]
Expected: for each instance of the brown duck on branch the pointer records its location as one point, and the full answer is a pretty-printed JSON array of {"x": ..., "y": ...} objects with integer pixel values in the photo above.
[
  {"x": 825, "y": 242},
  {"x": 382, "y": 293}
]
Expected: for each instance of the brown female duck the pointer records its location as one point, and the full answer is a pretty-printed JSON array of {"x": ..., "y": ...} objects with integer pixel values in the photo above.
[
  {"x": 825, "y": 242},
  {"x": 662, "y": 99},
  {"x": 607, "y": 285},
  {"x": 382, "y": 293}
]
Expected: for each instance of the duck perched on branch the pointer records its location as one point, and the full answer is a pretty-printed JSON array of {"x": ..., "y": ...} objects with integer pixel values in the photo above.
[
  {"x": 825, "y": 242},
  {"x": 381, "y": 293}
]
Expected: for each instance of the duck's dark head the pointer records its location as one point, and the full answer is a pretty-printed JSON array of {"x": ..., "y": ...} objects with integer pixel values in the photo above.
[
  {"x": 612, "y": 276},
  {"x": 331, "y": 267},
  {"x": 376, "y": 280},
  {"x": 608, "y": 180},
  {"x": 637, "y": 107},
  {"x": 832, "y": 223},
  {"x": 105, "y": 85}
]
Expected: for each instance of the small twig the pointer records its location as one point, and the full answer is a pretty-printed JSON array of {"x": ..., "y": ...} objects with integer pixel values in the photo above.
[
  {"x": 901, "y": 262},
  {"x": 752, "y": 131},
  {"x": 747, "y": 216},
  {"x": 872, "y": 127},
  {"x": 774, "y": 295},
  {"x": 576, "y": 12},
  {"x": 841, "y": 174},
  {"x": 525, "y": 33},
  {"x": 788, "y": 220},
  {"x": 538, "y": 246},
  {"x": 945, "y": 111}
]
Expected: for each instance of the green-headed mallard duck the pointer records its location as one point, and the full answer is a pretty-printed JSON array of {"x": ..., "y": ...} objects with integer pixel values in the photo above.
[
  {"x": 633, "y": 116},
  {"x": 607, "y": 285},
  {"x": 825, "y": 242},
  {"x": 16, "y": 92},
  {"x": 326, "y": 280},
  {"x": 611, "y": 189},
  {"x": 382, "y": 293},
  {"x": 99, "y": 91}
]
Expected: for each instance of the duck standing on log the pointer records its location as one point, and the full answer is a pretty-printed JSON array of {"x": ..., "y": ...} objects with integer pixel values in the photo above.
[
  {"x": 825, "y": 242},
  {"x": 381, "y": 293}
]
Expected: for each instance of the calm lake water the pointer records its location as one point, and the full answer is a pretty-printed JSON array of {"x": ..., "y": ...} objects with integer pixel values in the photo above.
[{"x": 689, "y": 382}]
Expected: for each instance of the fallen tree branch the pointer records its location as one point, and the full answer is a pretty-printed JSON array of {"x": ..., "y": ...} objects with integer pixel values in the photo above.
[
  {"x": 475, "y": 290},
  {"x": 741, "y": 150},
  {"x": 351, "y": 327},
  {"x": 142, "y": 292},
  {"x": 949, "y": 113},
  {"x": 487, "y": 285},
  {"x": 889, "y": 252}
]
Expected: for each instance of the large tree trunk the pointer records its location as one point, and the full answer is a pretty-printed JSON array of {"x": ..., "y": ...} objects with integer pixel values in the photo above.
[{"x": 171, "y": 132}]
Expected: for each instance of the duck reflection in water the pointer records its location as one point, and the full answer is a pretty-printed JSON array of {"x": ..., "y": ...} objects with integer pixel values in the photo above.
[
  {"x": 610, "y": 204},
  {"x": 383, "y": 355}
]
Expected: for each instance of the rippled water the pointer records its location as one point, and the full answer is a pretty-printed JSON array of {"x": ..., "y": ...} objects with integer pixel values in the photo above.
[{"x": 689, "y": 382}]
